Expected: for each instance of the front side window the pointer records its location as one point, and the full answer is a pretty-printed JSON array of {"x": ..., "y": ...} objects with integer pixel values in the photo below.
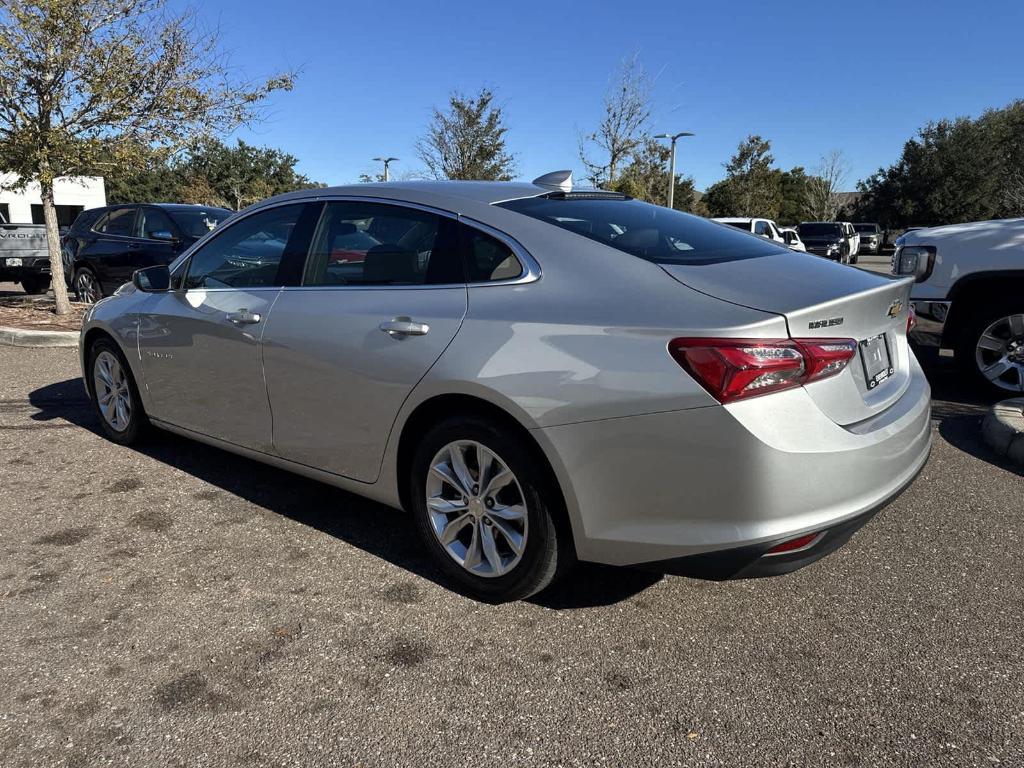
[
  {"x": 363, "y": 243},
  {"x": 154, "y": 224},
  {"x": 643, "y": 230},
  {"x": 119, "y": 222},
  {"x": 761, "y": 228},
  {"x": 248, "y": 254}
]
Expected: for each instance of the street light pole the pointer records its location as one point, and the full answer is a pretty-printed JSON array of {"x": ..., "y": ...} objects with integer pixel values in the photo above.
[
  {"x": 672, "y": 164},
  {"x": 387, "y": 161}
]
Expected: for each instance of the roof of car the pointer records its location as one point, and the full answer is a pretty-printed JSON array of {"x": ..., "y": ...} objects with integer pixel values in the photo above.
[
  {"x": 187, "y": 207},
  {"x": 478, "y": 191},
  {"x": 735, "y": 219}
]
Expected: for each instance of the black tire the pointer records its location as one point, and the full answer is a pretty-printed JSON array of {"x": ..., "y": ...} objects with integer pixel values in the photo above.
[
  {"x": 548, "y": 553},
  {"x": 35, "y": 284},
  {"x": 86, "y": 273},
  {"x": 855, "y": 259},
  {"x": 137, "y": 423},
  {"x": 980, "y": 318}
]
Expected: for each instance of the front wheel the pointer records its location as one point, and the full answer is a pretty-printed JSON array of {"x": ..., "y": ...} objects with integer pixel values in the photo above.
[
  {"x": 990, "y": 351},
  {"x": 486, "y": 511},
  {"x": 35, "y": 284},
  {"x": 114, "y": 393}
]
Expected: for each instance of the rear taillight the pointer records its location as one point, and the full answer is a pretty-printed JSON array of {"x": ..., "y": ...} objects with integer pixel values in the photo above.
[
  {"x": 911, "y": 319},
  {"x": 734, "y": 369}
]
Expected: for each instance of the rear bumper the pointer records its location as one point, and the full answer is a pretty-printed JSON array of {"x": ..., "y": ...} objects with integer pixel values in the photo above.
[{"x": 741, "y": 478}]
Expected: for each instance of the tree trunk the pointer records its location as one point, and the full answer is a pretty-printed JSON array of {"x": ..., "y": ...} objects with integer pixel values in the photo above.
[{"x": 60, "y": 288}]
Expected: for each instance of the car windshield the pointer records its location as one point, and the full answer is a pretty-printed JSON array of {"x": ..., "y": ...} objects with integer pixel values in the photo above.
[
  {"x": 866, "y": 227},
  {"x": 819, "y": 229},
  {"x": 196, "y": 223},
  {"x": 647, "y": 231}
]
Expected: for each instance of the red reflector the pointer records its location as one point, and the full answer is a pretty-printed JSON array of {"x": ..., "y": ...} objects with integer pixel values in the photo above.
[
  {"x": 733, "y": 369},
  {"x": 793, "y": 544},
  {"x": 911, "y": 319}
]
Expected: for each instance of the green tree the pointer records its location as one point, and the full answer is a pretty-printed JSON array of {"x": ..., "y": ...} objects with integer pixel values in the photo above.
[
  {"x": 86, "y": 80},
  {"x": 234, "y": 177},
  {"x": 468, "y": 141},
  {"x": 792, "y": 196},
  {"x": 645, "y": 177},
  {"x": 754, "y": 188},
  {"x": 951, "y": 171}
]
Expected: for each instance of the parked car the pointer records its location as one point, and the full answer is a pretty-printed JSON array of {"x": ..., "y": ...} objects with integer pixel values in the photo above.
[
  {"x": 537, "y": 375},
  {"x": 106, "y": 245},
  {"x": 829, "y": 239},
  {"x": 792, "y": 239},
  {"x": 854, "y": 236},
  {"x": 23, "y": 256},
  {"x": 872, "y": 237},
  {"x": 766, "y": 228},
  {"x": 969, "y": 278}
]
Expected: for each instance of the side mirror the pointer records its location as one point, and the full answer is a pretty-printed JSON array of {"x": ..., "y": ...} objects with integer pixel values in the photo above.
[
  {"x": 152, "y": 279},
  {"x": 162, "y": 234}
]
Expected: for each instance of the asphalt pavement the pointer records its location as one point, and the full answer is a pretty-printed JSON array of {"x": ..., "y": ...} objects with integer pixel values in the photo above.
[{"x": 179, "y": 606}]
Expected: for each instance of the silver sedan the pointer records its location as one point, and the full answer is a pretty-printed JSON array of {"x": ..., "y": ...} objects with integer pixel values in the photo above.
[{"x": 537, "y": 374}]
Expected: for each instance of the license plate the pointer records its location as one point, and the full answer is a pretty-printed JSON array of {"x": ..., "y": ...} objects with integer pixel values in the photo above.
[
  {"x": 874, "y": 354},
  {"x": 13, "y": 262}
]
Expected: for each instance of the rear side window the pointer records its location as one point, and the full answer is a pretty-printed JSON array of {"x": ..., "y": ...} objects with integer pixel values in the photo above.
[
  {"x": 359, "y": 243},
  {"x": 647, "y": 231},
  {"x": 487, "y": 258},
  {"x": 154, "y": 224},
  {"x": 119, "y": 222}
]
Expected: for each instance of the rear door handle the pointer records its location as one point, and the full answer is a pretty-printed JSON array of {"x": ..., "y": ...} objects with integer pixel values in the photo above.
[
  {"x": 244, "y": 317},
  {"x": 400, "y": 327}
]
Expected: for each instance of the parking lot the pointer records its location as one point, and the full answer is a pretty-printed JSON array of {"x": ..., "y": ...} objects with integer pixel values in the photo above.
[{"x": 178, "y": 605}]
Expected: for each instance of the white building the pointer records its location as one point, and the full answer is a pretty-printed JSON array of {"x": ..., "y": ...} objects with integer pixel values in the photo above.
[{"x": 70, "y": 195}]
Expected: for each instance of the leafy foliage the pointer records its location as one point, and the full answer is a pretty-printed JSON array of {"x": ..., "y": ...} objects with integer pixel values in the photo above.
[
  {"x": 646, "y": 178},
  {"x": 86, "y": 85},
  {"x": 952, "y": 171},
  {"x": 622, "y": 131},
  {"x": 467, "y": 141}
]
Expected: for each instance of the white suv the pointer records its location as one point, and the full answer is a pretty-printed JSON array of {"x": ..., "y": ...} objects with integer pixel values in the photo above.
[
  {"x": 970, "y": 279},
  {"x": 764, "y": 227}
]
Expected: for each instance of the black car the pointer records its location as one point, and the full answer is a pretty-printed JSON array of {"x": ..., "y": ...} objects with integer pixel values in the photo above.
[
  {"x": 106, "y": 245},
  {"x": 872, "y": 238},
  {"x": 828, "y": 239}
]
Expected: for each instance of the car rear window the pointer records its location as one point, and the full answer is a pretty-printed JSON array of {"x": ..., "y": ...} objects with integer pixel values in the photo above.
[
  {"x": 866, "y": 227},
  {"x": 647, "y": 231}
]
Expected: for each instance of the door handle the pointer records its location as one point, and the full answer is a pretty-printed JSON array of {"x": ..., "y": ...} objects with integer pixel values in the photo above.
[
  {"x": 401, "y": 327},
  {"x": 244, "y": 317}
]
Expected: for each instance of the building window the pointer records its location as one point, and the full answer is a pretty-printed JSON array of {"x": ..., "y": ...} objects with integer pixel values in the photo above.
[{"x": 66, "y": 214}]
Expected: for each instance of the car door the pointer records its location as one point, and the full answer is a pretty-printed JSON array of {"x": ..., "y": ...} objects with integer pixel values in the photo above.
[
  {"x": 110, "y": 250},
  {"x": 383, "y": 294},
  {"x": 200, "y": 341}
]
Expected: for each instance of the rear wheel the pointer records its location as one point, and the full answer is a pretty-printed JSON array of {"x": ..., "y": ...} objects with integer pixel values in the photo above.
[
  {"x": 486, "y": 511},
  {"x": 114, "y": 393},
  {"x": 35, "y": 284},
  {"x": 87, "y": 286},
  {"x": 991, "y": 348}
]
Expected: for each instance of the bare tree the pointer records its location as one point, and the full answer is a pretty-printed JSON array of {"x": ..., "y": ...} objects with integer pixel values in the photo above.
[
  {"x": 627, "y": 110},
  {"x": 824, "y": 185},
  {"x": 467, "y": 141},
  {"x": 83, "y": 82},
  {"x": 1013, "y": 194}
]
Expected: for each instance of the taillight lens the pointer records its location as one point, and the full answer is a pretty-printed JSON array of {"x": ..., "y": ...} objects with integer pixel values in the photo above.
[
  {"x": 911, "y": 319},
  {"x": 734, "y": 369}
]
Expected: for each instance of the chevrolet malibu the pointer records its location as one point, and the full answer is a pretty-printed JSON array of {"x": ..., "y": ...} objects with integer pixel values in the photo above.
[{"x": 537, "y": 375}]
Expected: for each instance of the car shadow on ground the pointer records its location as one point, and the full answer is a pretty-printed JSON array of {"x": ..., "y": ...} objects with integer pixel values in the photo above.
[{"x": 379, "y": 530}]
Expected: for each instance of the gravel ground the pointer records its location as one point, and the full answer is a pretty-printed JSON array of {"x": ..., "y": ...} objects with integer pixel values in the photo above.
[{"x": 177, "y": 606}]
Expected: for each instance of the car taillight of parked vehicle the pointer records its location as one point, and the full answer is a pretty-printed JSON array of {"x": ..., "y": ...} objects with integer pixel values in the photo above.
[
  {"x": 735, "y": 369},
  {"x": 911, "y": 319}
]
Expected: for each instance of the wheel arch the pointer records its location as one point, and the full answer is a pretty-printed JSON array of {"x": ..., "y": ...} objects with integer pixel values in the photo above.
[
  {"x": 989, "y": 286},
  {"x": 434, "y": 409}
]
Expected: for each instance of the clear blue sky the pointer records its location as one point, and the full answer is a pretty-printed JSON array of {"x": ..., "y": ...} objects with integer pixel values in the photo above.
[{"x": 809, "y": 76}]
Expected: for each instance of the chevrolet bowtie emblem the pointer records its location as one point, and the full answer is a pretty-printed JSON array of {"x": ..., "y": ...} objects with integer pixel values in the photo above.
[{"x": 895, "y": 308}]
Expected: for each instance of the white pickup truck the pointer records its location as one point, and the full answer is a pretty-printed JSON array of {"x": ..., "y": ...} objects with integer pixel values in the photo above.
[
  {"x": 23, "y": 256},
  {"x": 970, "y": 280}
]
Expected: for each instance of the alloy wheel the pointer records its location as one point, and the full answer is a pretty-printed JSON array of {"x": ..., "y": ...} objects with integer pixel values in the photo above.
[
  {"x": 477, "y": 509},
  {"x": 999, "y": 353},
  {"x": 87, "y": 287},
  {"x": 112, "y": 391}
]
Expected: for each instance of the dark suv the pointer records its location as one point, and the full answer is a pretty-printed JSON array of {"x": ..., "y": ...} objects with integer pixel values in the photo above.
[
  {"x": 827, "y": 238},
  {"x": 106, "y": 245}
]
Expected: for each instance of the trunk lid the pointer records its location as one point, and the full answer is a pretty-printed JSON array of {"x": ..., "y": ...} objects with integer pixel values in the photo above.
[
  {"x": 22, "y": 240},
  {"x": 823, "y": 299}
]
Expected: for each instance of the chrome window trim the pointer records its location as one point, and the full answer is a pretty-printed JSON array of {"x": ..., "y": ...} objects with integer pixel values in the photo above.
[{"x": 531, "y": 268}]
